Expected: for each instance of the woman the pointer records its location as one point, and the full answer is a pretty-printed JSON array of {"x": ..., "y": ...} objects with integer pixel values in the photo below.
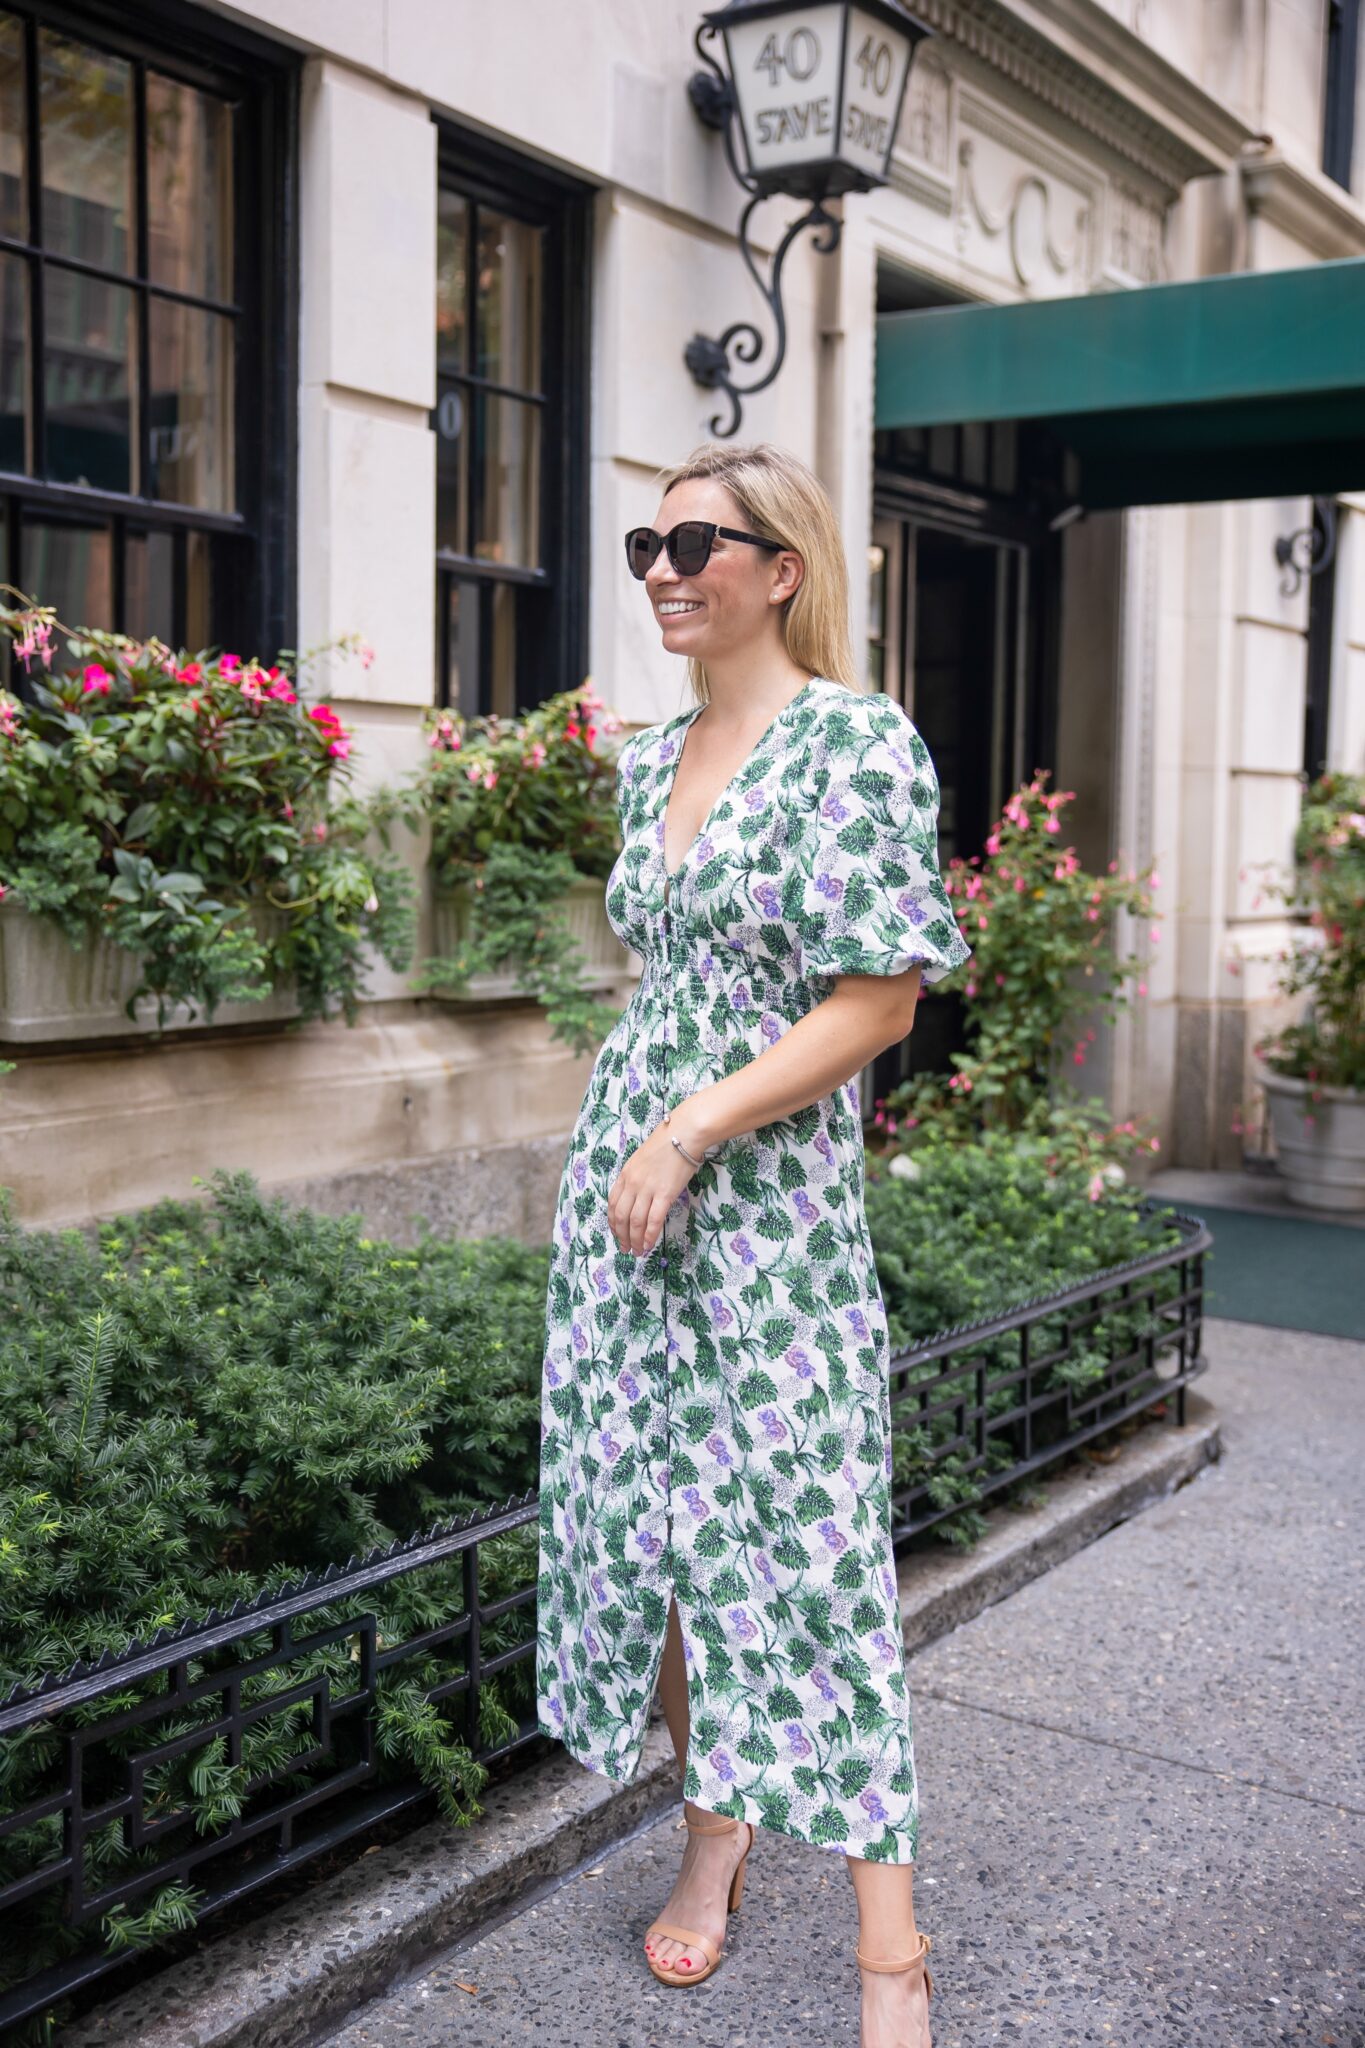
[{"x": 716, "y": 1452}]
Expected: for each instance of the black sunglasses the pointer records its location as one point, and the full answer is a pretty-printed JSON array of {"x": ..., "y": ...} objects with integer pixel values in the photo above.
[{"x": 689, "y": 546}]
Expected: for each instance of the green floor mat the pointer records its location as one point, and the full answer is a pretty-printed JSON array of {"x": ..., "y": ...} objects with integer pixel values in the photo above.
[{"x": 1292, "y": 1272}]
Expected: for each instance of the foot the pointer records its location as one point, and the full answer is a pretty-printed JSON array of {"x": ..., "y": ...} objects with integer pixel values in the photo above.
[
  {"x": 699, "y": 1897},
  {"x": 895, "y": 2008}
]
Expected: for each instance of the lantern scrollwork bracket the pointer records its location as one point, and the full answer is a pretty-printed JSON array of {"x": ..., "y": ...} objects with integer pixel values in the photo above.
[{"x": 1310, "y": 550}]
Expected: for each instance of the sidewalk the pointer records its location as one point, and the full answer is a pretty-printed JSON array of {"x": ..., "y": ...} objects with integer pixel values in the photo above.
[{"x": 1144, "y": 1797}]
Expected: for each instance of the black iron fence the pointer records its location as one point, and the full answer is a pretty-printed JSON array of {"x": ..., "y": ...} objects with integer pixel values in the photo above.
[{"x": 281, "y": 1703}]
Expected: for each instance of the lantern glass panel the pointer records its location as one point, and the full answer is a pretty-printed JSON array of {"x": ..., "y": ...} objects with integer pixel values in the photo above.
[
  {"x": 785, "y": 69},
  {"x": 875, "y": 66}
]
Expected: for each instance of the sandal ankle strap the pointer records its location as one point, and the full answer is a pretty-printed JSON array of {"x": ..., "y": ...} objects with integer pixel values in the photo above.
[
  {"x": 914, "y": 1962},
  {"x": 717, "y": 1825}
]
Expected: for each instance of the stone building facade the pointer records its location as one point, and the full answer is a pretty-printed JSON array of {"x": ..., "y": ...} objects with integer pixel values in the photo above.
[{"x": 534, "y": 175}]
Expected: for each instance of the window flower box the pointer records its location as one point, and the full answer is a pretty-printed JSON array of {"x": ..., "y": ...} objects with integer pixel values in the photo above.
[
  {"x": 51, "y": 992},
  {"x": 605, "y": 960}
]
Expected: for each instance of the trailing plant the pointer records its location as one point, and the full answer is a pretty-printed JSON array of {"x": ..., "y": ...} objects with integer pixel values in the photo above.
[
  {"x": 1326, "y": 1046},
  {"x": 519, "y": 810},
  {"x": 191, "y": 809},
  {"x": 1042, "y": 930}
]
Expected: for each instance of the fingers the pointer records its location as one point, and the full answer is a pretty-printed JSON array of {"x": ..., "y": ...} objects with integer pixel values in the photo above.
[{"x": 636, "y": 1218}]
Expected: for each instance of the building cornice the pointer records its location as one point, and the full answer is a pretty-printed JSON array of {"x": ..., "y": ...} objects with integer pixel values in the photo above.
[
  {"x": 1074, "y": 57},
  {"x": 1304, "y": 204}
]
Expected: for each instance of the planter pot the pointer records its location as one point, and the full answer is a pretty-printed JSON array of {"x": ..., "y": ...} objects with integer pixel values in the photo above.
[
  {"x": 1322, "y": 1161},
  {"x": 50, "y": 992},
  {"x": 584, "y": 909}
]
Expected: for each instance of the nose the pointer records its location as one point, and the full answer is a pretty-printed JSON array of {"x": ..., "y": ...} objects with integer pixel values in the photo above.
[{"x": 660, "y": 573}]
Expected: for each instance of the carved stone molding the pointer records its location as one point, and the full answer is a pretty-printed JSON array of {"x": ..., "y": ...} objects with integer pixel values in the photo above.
[
  {"x": 924, "y": 129},
  {"x": 1025, "y": 220},
  {"x": 1200, "y": 138},
  {"x": 1135, "y": 240}
]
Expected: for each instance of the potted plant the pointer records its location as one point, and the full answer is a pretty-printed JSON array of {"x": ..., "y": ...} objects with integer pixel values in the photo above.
[
  {"x": 172, "y": 851},
  {"x": 522, "y": 814},
  {"x": 1313, "y": 1070}
]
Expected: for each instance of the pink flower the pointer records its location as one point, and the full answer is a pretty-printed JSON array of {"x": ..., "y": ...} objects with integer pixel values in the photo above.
[
  {"x": 97, "y": 679},
  {"x": 474, "y": 772},
  {"x": 983, "y": 924},
  {"x": 1096, "y": 1187},
  {"x": 320, "y": 830},
  {"x": 229, "y": 663},
  {"x": 970, "y": 989},
  {"x": 490, "y": 778},
  {"x": 1155, "y": 934},
  {"x": 1053, "y": 825},
  {"x": 192, "y": 672},
  {"x": 1142, "y": 988},
  {"x": 993, "y": 843},
  {"x": 366, "y": 654},
  {"x": 340, "y": 749}
]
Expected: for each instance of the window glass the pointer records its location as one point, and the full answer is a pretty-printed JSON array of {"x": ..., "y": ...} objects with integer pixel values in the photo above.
[
  {"x": 13, "y": 190},
  {"x": 189, "y": 189},
  {"x": 507, "y": 317},
  {"x": 70, "y": 566},
  {"x": 86, "y": 109},
  {"x": 149, "y": 579},
  {"x": 452, "y": 281},
  {"x": 506, "y": 435},
  {"x": 452, "y": 471},
  {"x": 201, "y": 590},
  {"x": 14, "y": 373},
  {"x": 87, "y": 380},
  {"x": 190, "y": 406}
]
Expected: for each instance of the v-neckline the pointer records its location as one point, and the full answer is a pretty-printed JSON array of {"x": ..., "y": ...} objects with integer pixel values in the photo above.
[{"x": 690, "y": 718}]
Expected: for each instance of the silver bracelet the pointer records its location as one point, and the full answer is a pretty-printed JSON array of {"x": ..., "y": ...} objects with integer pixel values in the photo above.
[{"x": 681, "y": 1147}]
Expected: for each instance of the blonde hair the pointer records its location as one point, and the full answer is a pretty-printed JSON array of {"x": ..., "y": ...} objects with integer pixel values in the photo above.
[{"x": 785, "y": 501}]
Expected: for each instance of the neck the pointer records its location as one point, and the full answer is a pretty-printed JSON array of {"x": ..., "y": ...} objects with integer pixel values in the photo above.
[{"x": 743, "y": 684}]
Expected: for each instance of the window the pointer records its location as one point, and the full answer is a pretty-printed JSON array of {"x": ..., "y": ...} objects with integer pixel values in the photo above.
[
  {"x": 144, "y": 340},
  {"x": 1339, "y": 89},
  {"x": 510, "y": 425}
]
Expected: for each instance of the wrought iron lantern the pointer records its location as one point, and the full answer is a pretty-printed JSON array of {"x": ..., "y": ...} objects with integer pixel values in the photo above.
[{"x": 815, "y": 92}]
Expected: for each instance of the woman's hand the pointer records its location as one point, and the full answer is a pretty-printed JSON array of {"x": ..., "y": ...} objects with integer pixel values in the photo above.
[{"x": 647, "y": 1187}]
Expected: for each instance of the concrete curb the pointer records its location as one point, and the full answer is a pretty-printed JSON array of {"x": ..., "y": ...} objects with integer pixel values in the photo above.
[{"x": 312, "y": 1962}]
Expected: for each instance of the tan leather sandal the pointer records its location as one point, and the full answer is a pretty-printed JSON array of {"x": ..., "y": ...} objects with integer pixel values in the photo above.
[
  {"x": 919, "y": 1961},
  {"x": 717, "y": 1825}
]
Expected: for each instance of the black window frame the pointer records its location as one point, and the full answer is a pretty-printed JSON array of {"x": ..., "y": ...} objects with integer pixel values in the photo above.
[
  {"x": 552, "y": 627},
  {"x": 1341, "y": 86},
  {"x": 255, "y": 578}
]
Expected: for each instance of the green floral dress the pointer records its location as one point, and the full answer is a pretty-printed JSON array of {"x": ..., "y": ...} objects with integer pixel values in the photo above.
[{"x": 715, "y": 1413}]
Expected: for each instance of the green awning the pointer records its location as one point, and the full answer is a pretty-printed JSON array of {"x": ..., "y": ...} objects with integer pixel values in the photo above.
[{"x": 1248, "y": 386}]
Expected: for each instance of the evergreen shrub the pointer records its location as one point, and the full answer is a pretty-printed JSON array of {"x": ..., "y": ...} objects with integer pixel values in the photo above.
[{"x": 201, "y": 1401}]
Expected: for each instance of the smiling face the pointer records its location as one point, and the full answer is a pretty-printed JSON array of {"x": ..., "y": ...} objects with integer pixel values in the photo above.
[{"x": 736, "y": 600}]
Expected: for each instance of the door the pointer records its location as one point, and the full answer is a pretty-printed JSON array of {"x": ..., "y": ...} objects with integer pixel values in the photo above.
[{"x": 950, "y": 634}]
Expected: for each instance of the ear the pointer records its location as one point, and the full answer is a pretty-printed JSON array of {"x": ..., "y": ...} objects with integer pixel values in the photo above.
[{"x": 789, "y": 573}]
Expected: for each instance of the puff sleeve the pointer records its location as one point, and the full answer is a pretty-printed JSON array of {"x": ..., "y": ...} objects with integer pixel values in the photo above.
[{"x": 872, "y": 899}]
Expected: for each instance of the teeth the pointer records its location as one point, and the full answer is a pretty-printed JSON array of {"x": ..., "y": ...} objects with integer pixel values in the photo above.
[{"x": 666, "y": 609}]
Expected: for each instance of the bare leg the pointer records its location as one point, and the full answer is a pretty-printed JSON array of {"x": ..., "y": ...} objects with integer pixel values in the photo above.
[
  {"x": 698, "y": 1898},
  {"x": 895, "y": 2004}
]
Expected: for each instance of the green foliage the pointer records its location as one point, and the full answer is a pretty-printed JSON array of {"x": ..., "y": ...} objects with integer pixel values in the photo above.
[
  {"x": 184, "y": 809},
  {"x": 1327, "y": 1046},
  {"x": 1042, "y": 932},
  {"x": 513, "y": 923},
  {"x": 519, "y": 810},
  {"x": 205, "y": 1401},
  {"x": 964, "y": 1232},
  {"x": 211, "y": 1400}
]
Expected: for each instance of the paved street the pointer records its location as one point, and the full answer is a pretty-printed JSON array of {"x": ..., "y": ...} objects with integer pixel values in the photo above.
[{"x": 1143, "y": 1791}]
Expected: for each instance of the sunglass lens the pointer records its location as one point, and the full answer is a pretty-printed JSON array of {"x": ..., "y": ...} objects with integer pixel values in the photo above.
[
  {"x": 691, "y": 549},
  {"x": 642, "y": 548}
]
